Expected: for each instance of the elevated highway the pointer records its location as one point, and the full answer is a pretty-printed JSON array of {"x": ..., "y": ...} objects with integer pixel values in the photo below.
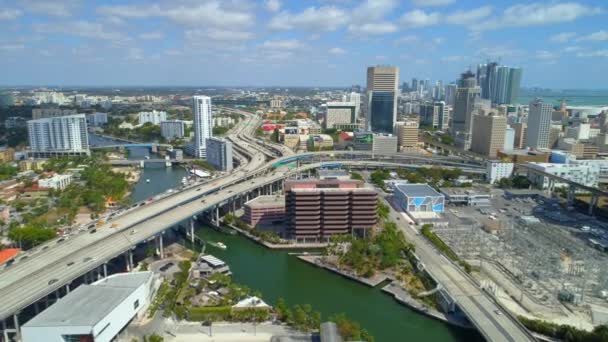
[{"x": 49, "y": 269}]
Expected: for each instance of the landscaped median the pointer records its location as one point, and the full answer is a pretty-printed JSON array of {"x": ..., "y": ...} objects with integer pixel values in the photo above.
[{"x": 445, "y": 249}]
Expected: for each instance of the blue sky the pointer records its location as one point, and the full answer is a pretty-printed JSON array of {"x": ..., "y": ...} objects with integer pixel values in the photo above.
[{"x": 560, "y": 44}]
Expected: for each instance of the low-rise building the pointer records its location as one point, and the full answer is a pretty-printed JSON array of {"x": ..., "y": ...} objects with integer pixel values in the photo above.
[
  {"x": 154, "y": 117},
  {"x": 7, "y": 155},
  {"x": 265, "y": 210},
  {"x": 97, "y": 119},
  {"x": 207, "y": 265},
  {"x": 95, "y": 312},
  {"x": 497, "y": 170},
  {"x": 419, "y": 198},
  {"x": 57, "y": 181},
  {"x": 472, "y": 197},
  {"x": 583, "y": 174},
  {"x": 320, "y": 142},
  {"x": 385, "y": 144}
]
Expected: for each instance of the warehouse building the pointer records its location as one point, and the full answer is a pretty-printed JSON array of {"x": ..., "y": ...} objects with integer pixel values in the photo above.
[
  {"x": 95, "y": 312},
  {"x": 420, "y": 201}
]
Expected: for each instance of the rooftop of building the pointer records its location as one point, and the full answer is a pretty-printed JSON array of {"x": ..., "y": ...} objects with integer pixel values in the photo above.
[
  {"x": 324, "y": 174},
  {"x": 266, "y": 201},
  {"x": 524, "y": 152},
  {"x": 88, "y": 304},
  {"x": 474, "y": 190},
  {"x": 418, "y": 190}
]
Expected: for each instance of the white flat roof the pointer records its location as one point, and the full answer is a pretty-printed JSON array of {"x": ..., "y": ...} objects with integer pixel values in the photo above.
[
  {"x": 88, "y": 304},
  {"x": 213, "y": 261}
]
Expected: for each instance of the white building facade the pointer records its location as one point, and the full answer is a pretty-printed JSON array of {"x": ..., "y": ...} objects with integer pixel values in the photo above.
[
  {"x": 583, "y": 174},
  {"x": 172, "y": 129},
  {"x": 155, "y": 117},
  {"x": 95, "y": 312},
  {"x": 219, "y": 153},
  {"x": 539, "y": 124},
  {"x": 56, "y": 182},
  {"x": 203, "y": 124},
  {"x": 497, "y": 170},
  {"x": 63, "y": 135}
]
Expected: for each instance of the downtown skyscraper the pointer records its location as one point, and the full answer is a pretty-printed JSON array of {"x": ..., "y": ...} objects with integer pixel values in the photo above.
[
  {"x": 499, "y": 83},
  {"x": 382, "y": 92},
  {"x": 467, "y": 94},
  {"x": 203, "y": 124},
  {"x": 539, "y": 124}
]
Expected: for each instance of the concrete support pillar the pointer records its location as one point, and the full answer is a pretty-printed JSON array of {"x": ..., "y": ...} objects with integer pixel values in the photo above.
[
  {"x": 594, "y": 199},
  {"x": 217, "y": 216},
  {"x": 67, "y": 288},
  {"x": 36, "y": 309},
  {"x": 130, "y": 259},
  {"x": 128, "y": 264},
  {"x": 4, "y": 332},
  {"x": 571, "y": 191},
  {"x": 105, "y": 270},
  {"x": 161, "y": 249},
  {"x": 192, "y": 231},
  {"x": 17, "y": 327}
]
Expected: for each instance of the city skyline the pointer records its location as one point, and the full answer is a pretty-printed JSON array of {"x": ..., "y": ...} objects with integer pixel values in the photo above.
[{"x": 281, "y": 43}]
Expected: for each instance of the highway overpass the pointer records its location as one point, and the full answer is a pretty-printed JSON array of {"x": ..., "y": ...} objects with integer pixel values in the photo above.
[{"x": 48, "y": 269}]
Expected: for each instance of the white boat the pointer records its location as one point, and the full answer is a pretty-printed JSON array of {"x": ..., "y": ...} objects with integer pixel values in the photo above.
[
  {"x": 148, "y": 180},
  {"x": 220, "y": 245},
  {"x": 184, "y": 180}
]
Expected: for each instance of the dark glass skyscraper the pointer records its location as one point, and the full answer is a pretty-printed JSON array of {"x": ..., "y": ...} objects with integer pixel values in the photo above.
[{"x": 382, "y": 90}]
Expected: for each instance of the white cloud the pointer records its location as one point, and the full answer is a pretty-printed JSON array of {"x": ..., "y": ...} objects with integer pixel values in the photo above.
[
  {"x": 373, "y": 10},
  {"x": 546, "y": 55},
  {"x": 337, "y": 51},
  {"x": 596, "y": 36},
  {"x": 83, "y": 29},
  {"x": 211, "y": 13},
  {"x": 535, "y": 14},
  {"x": 498, "y": 52},
  {"x": 273, "y": 5},
  {"x": 409, "y": 39},
  {"x": 572, "y": 48},
  {"x": 11, "y": 47},
  {"x": 419, "y": 18},
  {"x": 288, "y": 44},
  {"x": 373, "y": 28},
  {"x": 326, "y": 18},
  {"x": 55, "y": 8},
  {"x": 151, "y": 35},
  {"x": 218, "y": 35},
  {"x": 562, "y": 37},
  {"x": 450, "y": 59},
  {"x": 135, "y": 54},
  {"x": 433, "y": 2},
  {"x": 469, "y": 17},
  {"x": 173, "y": 52},
  {"x": 598, "y": 53},
  {"x": 10, "y": 13}
]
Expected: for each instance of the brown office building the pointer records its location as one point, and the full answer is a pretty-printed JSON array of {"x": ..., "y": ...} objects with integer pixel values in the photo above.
[
  {"x": 318, "y": 209},
  {"x": 265, "y": 210}
]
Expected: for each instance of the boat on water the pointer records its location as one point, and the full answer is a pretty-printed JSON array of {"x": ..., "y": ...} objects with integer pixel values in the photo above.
[
  {"x": 148, "y": 180},
  {"x": 219, "y": 245},
  {"x": 184, "y": 180}
]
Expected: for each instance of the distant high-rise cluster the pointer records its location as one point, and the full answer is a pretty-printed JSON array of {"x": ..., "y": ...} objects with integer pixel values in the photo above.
[{"x": 499, "y": 83}]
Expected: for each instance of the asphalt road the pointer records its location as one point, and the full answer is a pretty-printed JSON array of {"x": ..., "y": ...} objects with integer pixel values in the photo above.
[{"x": 493, "y": 322}]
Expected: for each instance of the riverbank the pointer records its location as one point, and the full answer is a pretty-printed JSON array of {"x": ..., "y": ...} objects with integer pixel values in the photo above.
[
  {"x": 317, "y": 260},
  {"x": 278, "y": 246}
]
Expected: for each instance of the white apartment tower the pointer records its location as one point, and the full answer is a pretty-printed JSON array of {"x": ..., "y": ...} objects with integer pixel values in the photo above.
[
  {"x": 539, "y": 124},
  {"x": 203, "y": 124},
  {"x": 62, "y": 135}
]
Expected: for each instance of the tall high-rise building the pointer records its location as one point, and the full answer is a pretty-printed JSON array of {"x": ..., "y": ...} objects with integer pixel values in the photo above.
[
  {"x": 521, "y": 129},
  {"x": 429, "y": 114},
  {"x": 450, "y": 94},
  {"x": 219, "y": 153},
  {"x": 444, "y": 115},
  {"x": 499, "y": 83},
  {"x": 414, "y": 84},
  {"x": 382, "y": 88},
  {"x": 50, "y": 112},
  {"x": 56, "y": 136},
  {"x": 467, "y": 94},
  {"x": 489, "y": 134},
  {"x": 539, "y": 124},
  {"x": 203, "y": 124},
  {"x": 172, "y": 129}
]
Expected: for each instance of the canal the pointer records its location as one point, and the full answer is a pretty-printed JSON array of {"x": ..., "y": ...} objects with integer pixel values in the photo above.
[{"x": 280, "y": 275}]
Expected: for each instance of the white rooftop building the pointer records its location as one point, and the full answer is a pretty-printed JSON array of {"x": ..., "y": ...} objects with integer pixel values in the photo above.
[
  {"x": 95, "y": 312},
  {"x": 583, "y": 174},
  {"x": 155, "y": 117},
  {"x": 56, "y": 182}
]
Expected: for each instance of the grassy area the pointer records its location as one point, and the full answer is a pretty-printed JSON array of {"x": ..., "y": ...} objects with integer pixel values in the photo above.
[
  {"x": 443, "y": 247},
  {"x": 160, "y": 298},
  {"x": 566, "y": 333}
]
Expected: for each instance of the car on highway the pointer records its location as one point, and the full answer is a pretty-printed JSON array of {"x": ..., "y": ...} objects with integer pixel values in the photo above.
[
  {"x": 87, "y": 259},
  {"x": 52, "y": 281},
  {"x": 93, "y": 230},
  {"x": 61, "y": 240},
  {"x": 498, "y": 312},
  {"x": 70, "y": 263}
]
